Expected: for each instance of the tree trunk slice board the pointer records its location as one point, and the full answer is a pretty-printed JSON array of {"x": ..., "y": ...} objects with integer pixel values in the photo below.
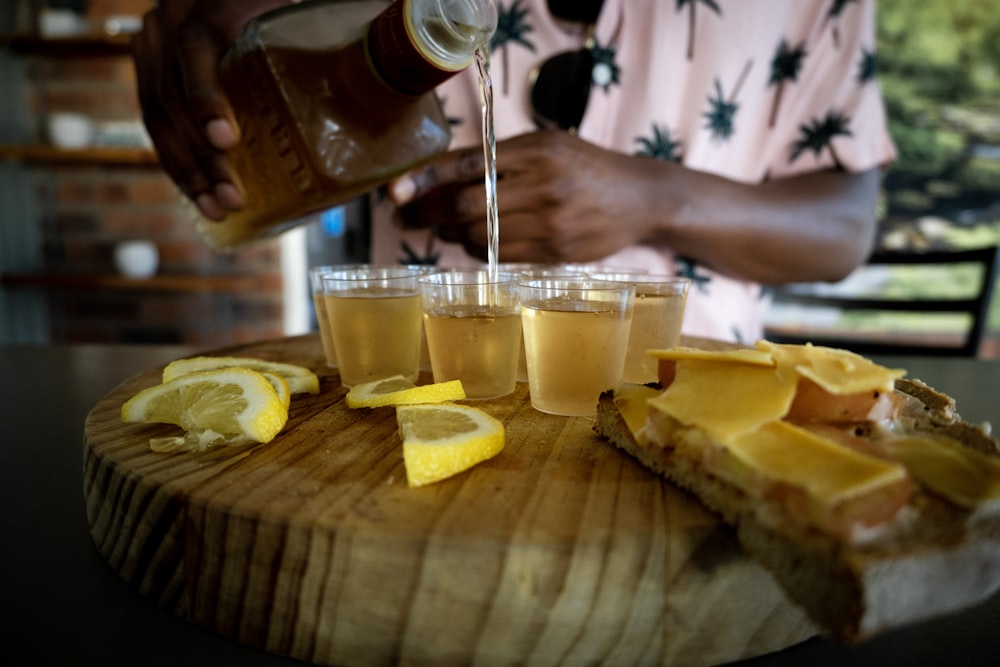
[{"x": 559, "y": 550}]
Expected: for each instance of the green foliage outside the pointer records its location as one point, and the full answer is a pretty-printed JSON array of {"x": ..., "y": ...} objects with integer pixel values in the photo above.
[{"x": 939, "y": 70}]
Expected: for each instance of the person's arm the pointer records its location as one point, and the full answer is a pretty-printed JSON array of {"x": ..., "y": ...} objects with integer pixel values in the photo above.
[
  {"x": 811, "y": 227},
  {"x": 563, "y": 199},
  {"x": 185, "y": 110}
]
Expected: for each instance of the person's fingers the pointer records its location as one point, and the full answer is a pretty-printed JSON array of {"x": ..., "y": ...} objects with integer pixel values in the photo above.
[
  {"x": 209, "y": 207},
  {"x": 185, "y": 149},
  {"x": 161, "y": 100},
  {"x": 199, "y": 51},
  {"x": 222, "y": 132},
  {"x": 458, "y": 166},
  {"x": 455, "y": 205}
]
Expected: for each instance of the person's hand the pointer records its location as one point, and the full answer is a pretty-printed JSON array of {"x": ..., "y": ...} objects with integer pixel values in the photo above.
[
  {"x": 184, "y": 108},
  {"x": 560, "y": 199}
]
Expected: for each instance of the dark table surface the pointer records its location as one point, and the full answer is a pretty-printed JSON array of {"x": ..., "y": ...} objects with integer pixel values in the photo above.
[{"x": 62, "y": 605}]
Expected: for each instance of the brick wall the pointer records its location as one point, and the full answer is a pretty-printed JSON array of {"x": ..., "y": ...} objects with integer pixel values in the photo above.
[{"x": 88, "y": 209}]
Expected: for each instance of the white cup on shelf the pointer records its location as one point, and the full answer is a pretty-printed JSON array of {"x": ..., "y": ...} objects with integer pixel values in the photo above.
[
  {"x": 122, "y": 24},
  {"x": 68, "y": 129},
  {"x": 136, "y": 259},
  {"x": 54, "y": 23}
]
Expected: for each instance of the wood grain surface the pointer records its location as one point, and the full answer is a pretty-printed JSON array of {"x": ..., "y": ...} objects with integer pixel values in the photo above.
[{"x": 560, "y": 550}]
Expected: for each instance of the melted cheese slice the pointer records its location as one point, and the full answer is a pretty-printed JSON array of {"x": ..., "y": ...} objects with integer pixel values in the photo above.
[
  {"x": 725, "y": 399},
  {"x": 739, "y": 398},
  {"x": 826, "y": 471},
  {"x": 837, "y": 371},
  {"x": 964, "y": 476}
]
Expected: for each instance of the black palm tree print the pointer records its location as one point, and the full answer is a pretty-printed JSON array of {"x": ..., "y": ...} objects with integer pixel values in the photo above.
[
  {"x": 867, "y": 67},
  {"x": 659, "y": 145},
  {"x": 722, "y": 110},
  {"x": 413, "y": 258},
  {"x": 512, "y": 27},
  {"x": 785, "y": 68},
  {"x": 688, "y": 268},
  {"x": 711, "y": 4},
  {"x": 819, "y": 134},
  {"x": 833, "y": 16},
  {"x": 606, "y": 72},
  {"x": 738, "y": 335},
  {"x": 453, "y": 121}
]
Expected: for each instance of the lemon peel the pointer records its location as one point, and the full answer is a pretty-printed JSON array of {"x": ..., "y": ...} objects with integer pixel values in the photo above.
[
  {"x": 300, "y": 379},
  {"x": 281, "y": 388},
  {"x": 397, "y": 390}
]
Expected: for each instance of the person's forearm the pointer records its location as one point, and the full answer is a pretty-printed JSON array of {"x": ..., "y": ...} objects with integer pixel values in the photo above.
[{"x": 814, "y": 227}]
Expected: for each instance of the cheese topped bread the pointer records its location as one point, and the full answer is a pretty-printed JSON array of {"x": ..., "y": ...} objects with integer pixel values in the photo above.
[{"x": 867, "y": 496}]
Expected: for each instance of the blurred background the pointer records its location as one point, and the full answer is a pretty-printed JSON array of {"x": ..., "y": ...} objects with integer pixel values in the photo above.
[
  {"x": 78, "y": 180},
  {"x": 938, "y": 65}
]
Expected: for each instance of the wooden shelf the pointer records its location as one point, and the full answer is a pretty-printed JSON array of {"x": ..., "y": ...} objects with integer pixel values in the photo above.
[
  {"x": 97, "y": 44},
  {"x": 157, "y": 283},
  {"x": 82, "y": 45},
  {"x": 95, "y": 155}
]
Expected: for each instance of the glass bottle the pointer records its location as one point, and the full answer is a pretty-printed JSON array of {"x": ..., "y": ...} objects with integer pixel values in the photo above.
[{"x": 334, "y": 98}]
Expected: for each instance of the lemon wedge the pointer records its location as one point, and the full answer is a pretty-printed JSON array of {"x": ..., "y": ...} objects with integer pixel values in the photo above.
[
  {"x": 443, "y": 440},
  {"x": 223, "y": 406},
  {"x": 300, "y": 379},
  {"x": 397, "y": 390}
]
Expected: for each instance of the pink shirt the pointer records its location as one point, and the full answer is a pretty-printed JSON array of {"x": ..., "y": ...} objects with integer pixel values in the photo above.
[{"x": 828, "y": 50}]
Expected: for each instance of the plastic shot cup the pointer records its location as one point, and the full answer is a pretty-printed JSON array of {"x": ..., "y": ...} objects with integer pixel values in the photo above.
[
  {"x": 528, "y": 270},
  {"x": 656, "y": 320},
  {"x": 319, "y": 305},
  {"x": 575, "y": 338},
  {"x": 472, "y": 322},
  {"x": 374, "y": 316}
]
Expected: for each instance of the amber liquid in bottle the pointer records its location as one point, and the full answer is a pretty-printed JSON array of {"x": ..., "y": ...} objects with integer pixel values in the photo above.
[{"x": 319, "y": 123}]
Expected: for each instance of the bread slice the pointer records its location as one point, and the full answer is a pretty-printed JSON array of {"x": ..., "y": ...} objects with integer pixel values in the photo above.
[{"x": 933, "y": 558}]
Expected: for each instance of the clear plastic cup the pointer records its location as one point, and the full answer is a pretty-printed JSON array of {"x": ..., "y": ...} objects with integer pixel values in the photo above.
[
  {"x": 537, "y": 270},
  {"x": 319, "y": 304},
  {"x": 472, "y": 322},
  {"x": 374, "y": 315},
  {"x": 575, "y": 337},
  {"x": 657, "y": 318}
]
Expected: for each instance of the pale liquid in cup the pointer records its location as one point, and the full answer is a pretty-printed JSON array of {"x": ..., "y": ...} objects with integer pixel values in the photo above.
[
  {"x": 316, "y": 274},
  {"x": 323, "y": 322},
  {"x": 479, "y": 348},
  {"x": 529, "y": 270},
  {"x": 656, "y": 324},
  {"x": 379, "y": 336},
  {"x": 522, "y": 362},
  {"x": 574, "y": 355}
]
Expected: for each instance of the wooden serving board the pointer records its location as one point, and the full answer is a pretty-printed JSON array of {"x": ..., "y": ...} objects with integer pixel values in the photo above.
[{"x": 559, "y": 550}]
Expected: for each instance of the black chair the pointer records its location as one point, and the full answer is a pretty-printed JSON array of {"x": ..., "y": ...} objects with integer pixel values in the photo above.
[{"x": 974, "y": 305}]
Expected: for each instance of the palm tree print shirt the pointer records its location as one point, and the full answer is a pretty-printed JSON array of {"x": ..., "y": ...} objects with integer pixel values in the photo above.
[{"x": 749, "y": 90}]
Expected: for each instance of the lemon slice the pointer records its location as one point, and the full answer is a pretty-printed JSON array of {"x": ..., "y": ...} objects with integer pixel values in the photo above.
[
  {"x": 281, "y": 388},
  {"x": 397, "y": 390},
  {"x": 300, "y": 379},
  {"x": 224, "y": 406},
  {"x": 442, "y": 440}
]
